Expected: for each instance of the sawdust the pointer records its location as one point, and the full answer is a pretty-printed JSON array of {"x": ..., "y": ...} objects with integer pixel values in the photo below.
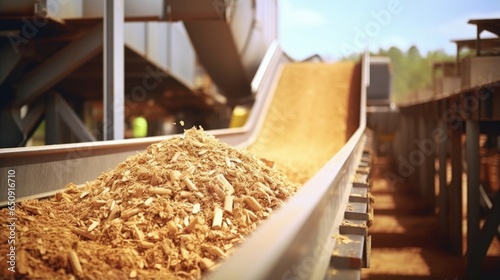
[
  {"x": 314, "y": 111},
  {"x": 171, "y": 212}
]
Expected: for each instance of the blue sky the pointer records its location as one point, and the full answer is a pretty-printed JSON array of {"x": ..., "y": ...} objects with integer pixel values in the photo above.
[{"x": 336, "y": 28}]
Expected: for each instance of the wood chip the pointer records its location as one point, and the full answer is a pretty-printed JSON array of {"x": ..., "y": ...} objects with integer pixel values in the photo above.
[
  {"x": 228, "y": 203},
  {"x": 98, "y": 203},
  {"x": 84, "y": 194},
  {"x": 196, "y": 208},
  {"x": 172, "y": 226},
  {"x": 225, "y": 184},
  {"x": 199, "y": 195},
  {"x": 237, "y": 160},
  {"x": 252, "y": 203},
  {"x": 66, "y": 197},
  {"x": 215, "y": 251},
  {"x": 175, "y": 157},
  {"x": 74, "y": 261},
  {"x": 216, "y": 189},
  {"x": 251, "y": 215},
  {"x": 175, "y": 175},
  {"x": 146, "y": 245},
  {"x": 133, "y": 273},
  {"x": 217, "y": 221},
  {"x": 185, "y": 194},
  {"x": 190, "y": 184},
  {"x": 83, "y": 233},
  {"x": 160, "y": 191},
  {"x": 32, "y": 209},
  {"x": 22, "y": 262},
  {"x": 206, "y": 263},
  {"x": 192, "y": 224},
  {"x": 113, "y": 205},
  {"x": 148, "y": 202},
  {"x": 139, "y": 234},
  {"x": 197, "y": 143},
  {"x": 93, "y": 225},
  {"x": 264, "y": 187},
  {"x": 229, "y": 164},
  {"x": 268, "y": 163},
  {"x": 129, "y": 213}
]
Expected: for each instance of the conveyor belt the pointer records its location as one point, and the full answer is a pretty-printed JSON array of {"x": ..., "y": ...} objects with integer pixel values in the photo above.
[
  {"x": 315, "y": 110},
  {"x": 299, "y": 238},
  {"x": 298, "y": 241}
]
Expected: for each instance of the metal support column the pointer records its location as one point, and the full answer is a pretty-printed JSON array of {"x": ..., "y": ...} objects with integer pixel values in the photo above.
[
  {"x": 425, "y": 148},
  {"x": 414, "y": 178},
  {"x": 113, "y": 58},
  {"x": 478, "y": 40},
  {"x": 422, "y": 158},
  {"x": 52, "y": 120},
  {"x": 472, "y": 145},
  {"x": 456, "y": 192},
  {"x": 429, "y": 147},
  {"x": 443, "y": 187}
]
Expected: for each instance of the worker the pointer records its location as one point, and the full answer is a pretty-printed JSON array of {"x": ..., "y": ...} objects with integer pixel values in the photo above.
[{"x": 139, "y": 127}]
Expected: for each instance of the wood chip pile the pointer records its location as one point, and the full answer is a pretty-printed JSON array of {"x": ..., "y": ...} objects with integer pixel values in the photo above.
[
  {"x": 171, "y": 212},
  {"x": 314, "y": 112}
]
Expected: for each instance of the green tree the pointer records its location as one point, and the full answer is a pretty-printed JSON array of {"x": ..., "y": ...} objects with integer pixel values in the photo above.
[{"x": 411, "y": 70}]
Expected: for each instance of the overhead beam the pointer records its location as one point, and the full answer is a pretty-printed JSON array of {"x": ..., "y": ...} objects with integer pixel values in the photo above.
[
  {"x": 59, "y": 66},
  {"x": 194, "y": 10}
]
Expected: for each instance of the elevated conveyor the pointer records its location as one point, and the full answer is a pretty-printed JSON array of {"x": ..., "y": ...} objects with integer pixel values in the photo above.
[{"x": 299, "y": 239}]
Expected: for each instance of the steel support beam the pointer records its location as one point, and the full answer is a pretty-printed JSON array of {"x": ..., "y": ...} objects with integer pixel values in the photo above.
[
  {"x": 422, "y": 168},
  {"x": 59, "y": 66},
  {"x": 429, "y": 168},
  {"x": 9, "y": 60},
  {"x": 473, "y": 252},
  {"x": 72, "y": 120},
  {"x": 414, "y": 177},
  {"x": 443, "y": 186},
  {"x": 113, "y": 59},
  {"x": 52, "y": 121},
  {"x": 31, "y": 121},
  {"x": 456, "y": 192}
]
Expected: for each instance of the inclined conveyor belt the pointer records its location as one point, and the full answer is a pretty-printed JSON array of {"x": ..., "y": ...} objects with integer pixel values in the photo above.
[{"x": 297, "y": 241}]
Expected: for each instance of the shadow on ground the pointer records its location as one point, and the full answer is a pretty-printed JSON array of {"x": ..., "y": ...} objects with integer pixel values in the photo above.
[{"x": 405, "y": 239}]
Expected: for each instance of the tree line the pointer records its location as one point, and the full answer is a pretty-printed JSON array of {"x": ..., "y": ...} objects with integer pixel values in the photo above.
[{"x": 411, "y": 71}]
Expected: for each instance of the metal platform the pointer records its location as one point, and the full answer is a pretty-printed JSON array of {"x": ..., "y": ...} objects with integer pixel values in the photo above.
[{"x": 438, "y": 135}]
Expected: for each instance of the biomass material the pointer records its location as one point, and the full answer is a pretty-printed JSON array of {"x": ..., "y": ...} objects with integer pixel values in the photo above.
[
  {"x": 184, "y": 205},
  {"x": 315, "y": 110},
  {"x": 156, "y": 215}
]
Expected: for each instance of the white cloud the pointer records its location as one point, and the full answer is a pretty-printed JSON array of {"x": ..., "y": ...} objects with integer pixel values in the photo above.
[{"x": 293, "y": 16}]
